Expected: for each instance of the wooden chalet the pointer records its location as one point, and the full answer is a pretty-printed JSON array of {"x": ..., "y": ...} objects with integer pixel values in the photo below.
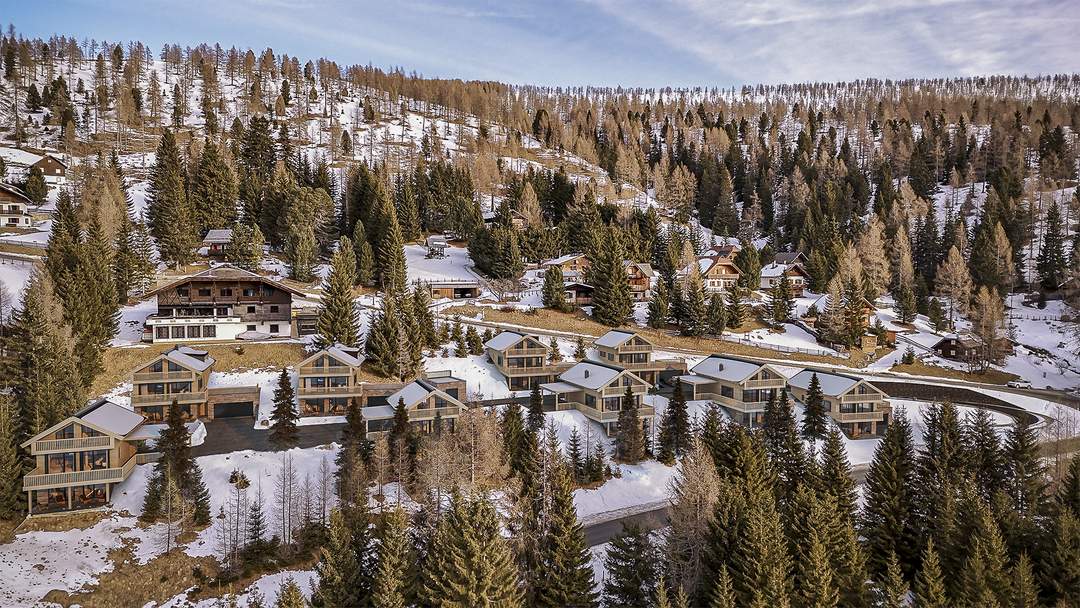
[
  {"x": 14, "y": 207},
  {"x": 522, "y": 359},
  {"x": 573, "y": 265},
  {"x": 217, "y": 242},
  {"x": 221, "y": 303},
  {"x": 741, "y": 387},
  {"x": 640, "y": 276},
  {"x": 328, "y": 379},
  {"x": 859, "y": 408},
  {"x": 596, "y": 390},
  {"x": 632, "y": 351},
  {"x": 719, "y": 274},
  {"x": 454, "y": 289},
  {"x": 433, "y": 401},
  {"x": 796, "y": 274},
  {"x": 578, "y": 293}
]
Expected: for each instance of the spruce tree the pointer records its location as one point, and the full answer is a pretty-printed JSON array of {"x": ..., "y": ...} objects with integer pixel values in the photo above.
[
  {"x": 814, "y": 419},
  {"x": 393, "y": 584},
  {"x": 566, "y": 577},
  {"x": 339, "y": 321},
  {"x": 892, "y": 589},
  {"x": 580, "y": 353},
  {"x": 834, "y": 474},
  {"x": 283, "y": 432},
  {"x": 1068, "y": 493},
  {"x": 94, "y": 314},
  {"x": 289, "y": 595},
  {"x": 782, "y": 443},
  {"x": 674, "y": 438},
  {"x": 354, "y": 453},
  {"x": 658, "y": 308},
  {"x": 1025, "y": 591},
  {"x": 214, "y": 190},
  {"x": 575, "y": 457},
  {"x": 717, "y": 315},
  {"x": 1025, "y": 485},
  {"x": 172, "y": 220},
  {"x": 553, "y": 292},
  {"x": 887, "y": 522},
  {"x": 36, "y": 189},
  {"x": 631, "y": 566},
  {"x": 782, "y": 303},
  {"x": 735, "y": 313},
  {"x": 694, "y": 319},
  {"x": 536, "y": 411},
  {"x": 629, "y": 437},
  {"x": 469, "y": 563},
  {"x": 1060, "y": 562},
  {"x": 11, "y": 469},
  {"x": 929, "y": 583},
  {"x": 365, "y": 257},
  {"x": 612, "y": 301},
  {"x": 245, "y": 248},
  {"x": 1052, "y": 262},
  {"x": 384, "y": 340}
]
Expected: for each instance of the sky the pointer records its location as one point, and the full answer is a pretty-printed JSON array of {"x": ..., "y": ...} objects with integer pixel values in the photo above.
[{"x": 631, "y": 43}]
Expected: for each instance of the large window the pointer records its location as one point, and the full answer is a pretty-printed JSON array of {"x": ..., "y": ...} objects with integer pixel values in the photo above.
[
  {"x": 194, "y": 331},
  {"x": 727, "y": 391},
  {"x": 67, "y": 432},
  {"x": 209, "y": 331},
  {"x": 60, "y": 463},
  {"x": 161, "y": 333},
  {"x": 179, "y": 387},
  {"x": 178, "y": 332},
  {"x": 47, "y": 501},
  {"x": 88, "y": 497},
  {"x": 95, "y": 459}
]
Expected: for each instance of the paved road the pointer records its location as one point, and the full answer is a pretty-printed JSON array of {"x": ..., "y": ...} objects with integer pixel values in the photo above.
[{"x": 231, "y": 434}]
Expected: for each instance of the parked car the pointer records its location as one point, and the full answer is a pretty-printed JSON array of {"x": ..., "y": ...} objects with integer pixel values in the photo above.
[{"x": 1019, "y": 384}]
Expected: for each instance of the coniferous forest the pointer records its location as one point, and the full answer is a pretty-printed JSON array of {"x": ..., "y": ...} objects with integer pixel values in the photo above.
[{"x": 945, "y": 201}]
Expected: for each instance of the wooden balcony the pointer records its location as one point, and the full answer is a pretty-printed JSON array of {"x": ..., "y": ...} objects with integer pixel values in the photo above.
[
  {"x": 430, "y": 413},
  {"x": 777, "y": 383},
  {"x": 627, "y": 349},
  {"x": 527, "y": 352},
  {"x": 48, "y": 446},
  {"x": 739, "y": 406},
  {"x": 619, "y": 391},
  {"x": 330, "y": 370},
  {"x": 868, "y": 398},
  {"x": 163, "y": 376},
  {"x": 329, "y": 391},
  {"x": 875, "y": 416},
  {"x": 538, "y": 370},
  {"x": 597, "y": 415},
  {"x": 147, "y": 457},
  {"x": 40, "y": 481},
  {"x": 168, "y": 398}
]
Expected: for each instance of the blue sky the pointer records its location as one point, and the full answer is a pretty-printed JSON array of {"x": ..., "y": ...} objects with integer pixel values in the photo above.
[{"x": 606, "y": 42}]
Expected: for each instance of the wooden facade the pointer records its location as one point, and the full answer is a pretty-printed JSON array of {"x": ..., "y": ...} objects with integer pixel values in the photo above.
[
  {"x": 181, "y": 374},
  {"x": 522, "y": 359},
  {"x": 454, "y": 290},
  {"x": 741, "y": 387},
  {"x": 859, "y": 408},
  {"x": 221, "y": 304},
  {"x": 432, "y": 402},
  {"x": 78, "y": 461},
  {"x": 640, "y": 276},
  {"x": 719, "y": 274},
  {"x": 328, "y": 380},
  {"x": 596, "y": 390},
  {"x": 52, "y": 169},
  {"x": 14, "y": 208},
  {"x": 632, "y": 351}
]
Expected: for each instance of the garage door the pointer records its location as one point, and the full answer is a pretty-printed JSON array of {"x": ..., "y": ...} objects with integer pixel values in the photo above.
[{"x": 233, "y": 410}]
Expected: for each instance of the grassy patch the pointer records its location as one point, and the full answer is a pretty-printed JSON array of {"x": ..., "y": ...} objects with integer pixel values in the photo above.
[
  {"x": 6, "y": 247},
  {"x": 132, "y": 584},
  {"x": 990, "y": 376},
  {"x": 120, "y": 362},
  {"x": 578, "y": 322}
]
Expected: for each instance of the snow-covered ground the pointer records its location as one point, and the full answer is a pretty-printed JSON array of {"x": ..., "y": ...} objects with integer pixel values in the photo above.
[{"x": 14, "y": 274}]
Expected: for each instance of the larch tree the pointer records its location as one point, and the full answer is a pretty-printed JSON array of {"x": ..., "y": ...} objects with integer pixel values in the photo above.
[
  {"x": 694, "y": 494},
  {"x": 872, "y": 253},
  {"x": 953, "y": 282}
]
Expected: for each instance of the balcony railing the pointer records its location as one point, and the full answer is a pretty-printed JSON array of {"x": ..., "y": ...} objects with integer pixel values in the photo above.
[
  {"x": 308, "y": 391},
  {"x": 535, "y": 370},
  {"x": 167, "y": 398},
  {"x": 619, "y": 391},
  {"x": 431, "y": 412},
  {"x": 329, "y": 370},
  {"x": 53, "y": 480},
  {"x": 867, "y": 398},
  {"x": 739, "y": 406},
  {"x": 875, "y": 416},
  {"x": 597, "y": 415},
  {"x": 68, "y": 445},
  {"x": 535, "y": 351},
  {"x": 147, "y": 457},
  {"x": 162, "y": 376},
  {"x": 777, "y": 383}
]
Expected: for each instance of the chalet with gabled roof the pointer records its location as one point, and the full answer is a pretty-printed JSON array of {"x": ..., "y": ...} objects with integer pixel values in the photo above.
[
  {"x": 859, "y": 408},
  {"x": 630, "y": 350},
  {"x": 741, "y": 387},
  {"x": 522, "y": 359},
  {"x": 573, "y": 265},
  {"x": 79, "y": 460},
  {"x": 431, "y": 402},
  {"x": 328, "y": 380},
  {"x": 798, "y": 277},
  {"x": 217, "y": 242},
  {"x": 14, "y": 207},
  {"x": 640, "y": 275},
  {"x": 221, "y": 303},
  {"x": 596, "y": 390}
]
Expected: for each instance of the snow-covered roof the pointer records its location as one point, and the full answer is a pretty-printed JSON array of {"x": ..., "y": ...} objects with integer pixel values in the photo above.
[
  {"x": 225, "y": 272},
  {"x": 559, "y": 387},
  {"x": 377, "y": 412},
  {"x": 346, "y": 354},
  {"x": 730, "y": 369},
  {"x": 412, "y": 393},
  {"x": 563, "y": 259},
  {"x": 773, "y": 270},
  {"x": 110, "y": 417},
  {"x": 193, "y": 359},
  {"x": 645, "y": 268},
  {"x": 153, "y": 431},
  {"x": 694, "y": 379},
  {"x": 614, "y": 338},
  {"x": 12, "y": 190},
  {"x": 832, "y": 385},
  {"x": 436, "y": 239},
  {"x": 220, "y": 236},
  {"x": 503, "y": 341},
  {"x": 17, "y": 157},
  {"x": 590, "y": 374}
]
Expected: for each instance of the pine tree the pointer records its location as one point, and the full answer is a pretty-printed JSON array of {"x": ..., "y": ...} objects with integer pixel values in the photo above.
[
  {"x": 301, "y": 252},
  {"x": 814, "y": 419},
  {"x": 1025, "y": 591},
  {"x": 535, "y": 421},
  {"x": 723, "y": 595},
  {"x": 289, "y": 595},
  {"x": 694, "y": 319},
  {"x": 425, "y": 319},
  {"x": 985, "y": 579},
  {"x": 337, "y": 565},
  {"x": 1060, "y": 562},
  {"x": 579, "y": 349},
  {"x": 892, "y": 589},
  {"x": 674, "y": 438},
  {"x": 36, "y": 189},
  {"x": 94, "y": 315},
  {"x": 338, "y": 321},
  {"x": 783, "y": 303},
  {"x": 283, "y": 433},
  {"x": 887, "y": 522},
  {"x": 384, "y": 339},
  {"x": 1068, "y": 493},
  {"x": 818, "y": 588},
  {"x": 834, "y": 474},
  {"x": 245, "y": 248},
  {"x": 554, "y": 294},
  {"x": 11, "y": 469},
  {"x": 393, "y": 582},
  {"x": 1024, "y": 471},
  {"x": 629, "y": 437},
  {"x": 630, "y": 564},
  {"x": 390, "y": 265},
  {"x": 575, "y": 457},
  {"x": 782, "y": 443},
  {"x": 214, "y": 190},
  {"x": 474, "y": 343},
  {"x": 172, "y": 220},
  {"x": 177, "y": 466},
  {"x": 718, "y": 314},
  {"x": 735, "y": 312}
]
